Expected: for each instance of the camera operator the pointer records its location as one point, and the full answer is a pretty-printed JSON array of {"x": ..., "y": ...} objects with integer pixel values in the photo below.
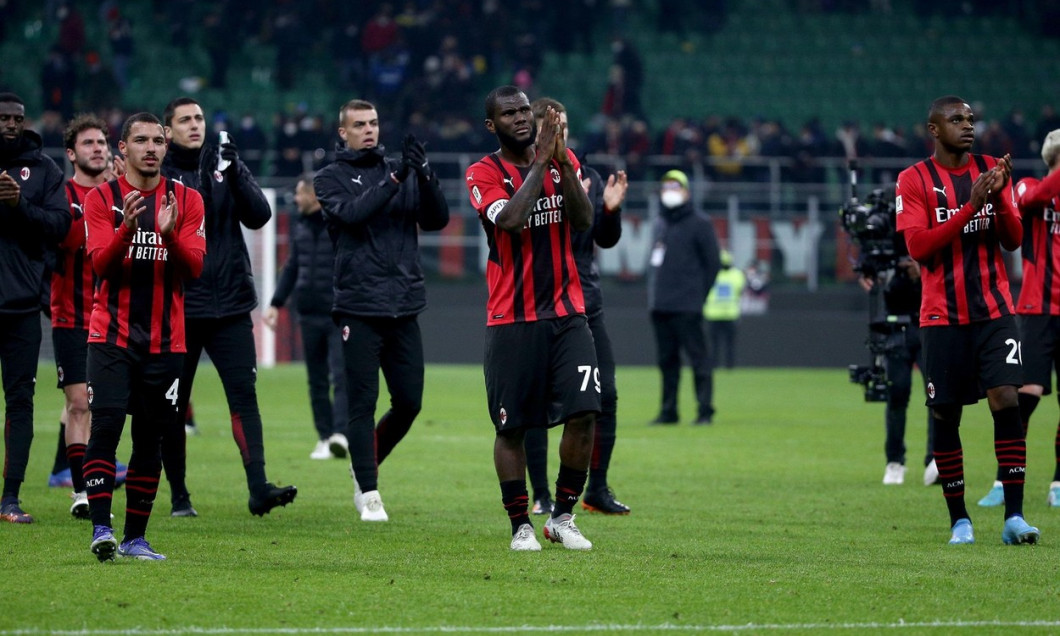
[{"x": 901, "y": 298}]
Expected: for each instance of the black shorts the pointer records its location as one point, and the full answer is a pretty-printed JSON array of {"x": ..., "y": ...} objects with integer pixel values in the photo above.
[
  {"x": 961, "y": 362},
  {"x": 539, "y": 374},
  {"x": 71, "y": 355},
  {"x": 117, "y": 375},
  {"x": 1040, "y": 335}
]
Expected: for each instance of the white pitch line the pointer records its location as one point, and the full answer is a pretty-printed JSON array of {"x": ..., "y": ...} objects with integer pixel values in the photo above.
[{"x": 446, "y": 629}]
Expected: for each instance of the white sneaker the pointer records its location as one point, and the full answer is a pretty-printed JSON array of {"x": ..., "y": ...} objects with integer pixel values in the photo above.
[
  {"x": 931, "y": 474},
  {"x": 562, "y": 530},
  {"x": 358, "y": 496},
  {"x": 338, "y": 446},
  {"x": 372, "y": 507},
  {"x": 524, "y": 539},
  {"x": 321, "y": 451},
  {"x": 1054, "y": 494},
  {"x": 894, "y": 474},
  {"x": 79, "y": 509}
]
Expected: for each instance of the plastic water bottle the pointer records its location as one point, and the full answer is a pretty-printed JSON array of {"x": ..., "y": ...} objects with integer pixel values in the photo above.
[{"x": 222, "y": 139}]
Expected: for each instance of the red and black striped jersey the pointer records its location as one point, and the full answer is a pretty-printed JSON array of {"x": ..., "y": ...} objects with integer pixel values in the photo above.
[
  {"x": 965, "y": 280},
  {"x": 139, "y": 299},
  {"x": 72, "y": 278},
  {"x": 531, "y": 275},
  {"x": 1038, "y": 204}
]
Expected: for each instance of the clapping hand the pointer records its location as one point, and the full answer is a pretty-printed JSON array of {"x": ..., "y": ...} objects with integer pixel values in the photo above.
[
  {"x": 133, "y": 205},
  {"x": 415, "y": 155},
  {"x": 9, "y": 189},
  {"x": 167, "y": 216}
]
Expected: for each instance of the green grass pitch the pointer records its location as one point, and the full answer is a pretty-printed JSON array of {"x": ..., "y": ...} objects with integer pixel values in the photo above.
[{"x": 773, "y": 520}]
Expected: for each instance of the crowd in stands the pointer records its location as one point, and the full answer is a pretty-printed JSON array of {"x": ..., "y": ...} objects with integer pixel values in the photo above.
[{"x": 425, "y": 63}]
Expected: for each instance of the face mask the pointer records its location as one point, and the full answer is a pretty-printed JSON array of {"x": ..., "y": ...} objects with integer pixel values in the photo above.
[{"x": 672, "y": 198}]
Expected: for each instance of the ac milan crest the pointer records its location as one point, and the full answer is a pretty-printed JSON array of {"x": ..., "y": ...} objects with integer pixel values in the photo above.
[
  {"x": 217, "y": 176},
  {"x": 503, "y": 416},
  {"x": 345, "y": 333},
  {"x": 24, "y": 173}
]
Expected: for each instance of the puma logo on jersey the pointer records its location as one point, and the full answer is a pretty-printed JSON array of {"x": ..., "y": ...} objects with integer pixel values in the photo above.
[
  {"x": 118, "y": 210},
  {"x": 941, "y": 190},
  {"x": 80, "y": 210},
  {"x": 356, "y": 180},
  {"x": 509, "y": 181}
]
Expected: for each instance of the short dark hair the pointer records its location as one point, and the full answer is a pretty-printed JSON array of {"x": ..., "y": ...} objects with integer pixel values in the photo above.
[
  {"x": 938, "y": 104},
  {"x": 539, "y": 105},
  {"x": 138, "y": 118},
  {"x": 171, "y": 107},
  {"x": 498, "y": 93},
  {"x": 11, "y": 98},
  {"x": 354, "y": 104},
  {"x": 78, "y": 125}
]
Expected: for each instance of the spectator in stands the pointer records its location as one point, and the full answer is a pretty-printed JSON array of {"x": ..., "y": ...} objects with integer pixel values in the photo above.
[
  {"x": 122, "y": 47},
  {"x": 727, "y": 150},
  {"x": 1048, "y": 119},
  {"x": 101, "y": 90},
  {"x": 380, "y": 33},
  {"x": 1015, "y": 126},
  {"x": 71, "y": 40},
  {"x": 58, "y": 82},
  {"x": 252, "y": 141}
]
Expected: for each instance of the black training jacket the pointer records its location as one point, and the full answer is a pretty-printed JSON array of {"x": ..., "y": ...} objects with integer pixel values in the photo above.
[
  {"x": 374, "y": 224},
  {"x": 310, "y": 268},
  {"x": 36, "y": 225},
  {"x": 605, "y": 232},
  {"x": 231, "y": 200}
]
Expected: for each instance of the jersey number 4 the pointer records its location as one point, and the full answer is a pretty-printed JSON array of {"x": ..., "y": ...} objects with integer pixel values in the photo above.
[{"x": 172, "y": 392}]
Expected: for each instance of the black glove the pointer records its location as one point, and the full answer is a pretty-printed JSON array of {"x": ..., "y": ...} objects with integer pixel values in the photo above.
[
  {"x": 401, "y": 172},
  {"x": 415, "y": 155},
  {"x": 230, "y": 153}
]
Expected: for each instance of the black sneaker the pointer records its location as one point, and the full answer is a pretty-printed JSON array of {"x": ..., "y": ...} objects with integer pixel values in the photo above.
[
  {"x": 603, "y": 501},
  {"x": 182, "y": 507},
  {"x": 543, "y": 506},
  {"x": 664, "y": 420},
  {"x": 270, "y": 497}
]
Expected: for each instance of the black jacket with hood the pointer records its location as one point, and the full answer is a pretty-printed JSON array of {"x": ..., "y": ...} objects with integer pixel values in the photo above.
[
  {"x": 231, "y": 200},
  {"x": 373, "y": 221},
  {"x": 31, "y": 229}
]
